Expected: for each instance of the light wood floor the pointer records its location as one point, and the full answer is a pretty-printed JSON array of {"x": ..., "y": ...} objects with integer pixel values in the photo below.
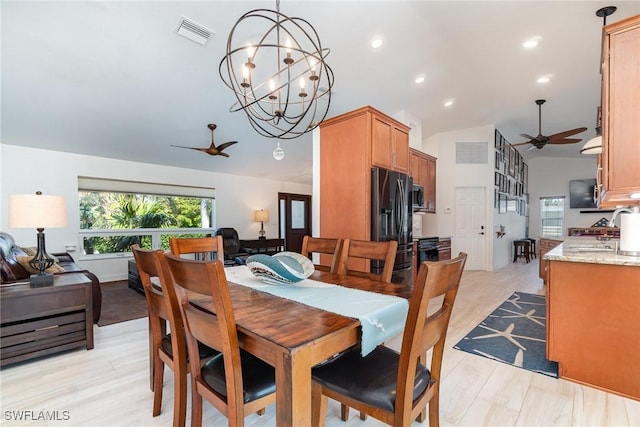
[{"x": 109, "y": 385}]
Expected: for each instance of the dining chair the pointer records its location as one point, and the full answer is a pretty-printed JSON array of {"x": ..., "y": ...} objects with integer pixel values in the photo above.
[
  {"x": 366, "y": 249},
  {"x": 165, "y": 349},
  {"x": 390, "y": 386},
  {"x": 323, "y": 245},
  {"x": 202, "y": 248},
  {"x": 234, "y": 381}
]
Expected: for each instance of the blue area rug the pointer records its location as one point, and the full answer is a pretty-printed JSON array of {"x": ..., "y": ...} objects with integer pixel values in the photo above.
[{"x": 515, "y": 334}]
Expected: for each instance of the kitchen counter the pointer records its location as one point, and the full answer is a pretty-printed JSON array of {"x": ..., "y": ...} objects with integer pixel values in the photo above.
[
  {"x": 592, "y": 251},
  {"x": 592, "y": 315}
]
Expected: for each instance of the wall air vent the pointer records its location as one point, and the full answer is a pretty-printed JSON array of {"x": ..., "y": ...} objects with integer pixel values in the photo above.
[
  {"x": 471, "y": 152},
  {"x": 194, "y": 31}
]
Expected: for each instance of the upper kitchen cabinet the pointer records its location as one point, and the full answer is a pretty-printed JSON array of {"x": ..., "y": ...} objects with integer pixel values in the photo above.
[
  {"x": 422, "y": 167},
  {"x": 389, "y": 143},
  {"x": 350, "y": 145},
  {"x": 620, "y": 113}
]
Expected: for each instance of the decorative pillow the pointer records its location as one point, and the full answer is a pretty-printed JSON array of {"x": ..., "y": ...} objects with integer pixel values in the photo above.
[
  {"x": 281, "y": 268},
  {"x": 24, "y": 262},
  {"x": 31, "y": 251}
]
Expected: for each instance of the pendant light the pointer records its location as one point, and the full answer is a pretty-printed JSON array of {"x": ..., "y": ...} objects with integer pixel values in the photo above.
[{"x": 594, "y": 145}]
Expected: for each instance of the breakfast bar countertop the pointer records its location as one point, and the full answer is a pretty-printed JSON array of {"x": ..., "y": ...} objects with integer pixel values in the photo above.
[{"x": 591, "y": 250}]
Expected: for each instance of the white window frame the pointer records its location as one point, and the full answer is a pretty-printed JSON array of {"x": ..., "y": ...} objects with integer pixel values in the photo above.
[
  {"x": 545, "y": 230},
  {"x": 88, "y": 184}
]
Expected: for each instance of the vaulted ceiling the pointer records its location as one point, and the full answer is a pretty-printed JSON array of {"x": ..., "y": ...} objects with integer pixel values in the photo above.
[{"x": 114, "y": 79}]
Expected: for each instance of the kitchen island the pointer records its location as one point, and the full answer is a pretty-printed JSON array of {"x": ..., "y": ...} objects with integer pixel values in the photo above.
[{"x": 593, "y": 315}]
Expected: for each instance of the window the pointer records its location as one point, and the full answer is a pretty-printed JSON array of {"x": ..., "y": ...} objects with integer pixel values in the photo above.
[
  {"x": 552, "y": 215},
  {"x": 117, "y": 214}
]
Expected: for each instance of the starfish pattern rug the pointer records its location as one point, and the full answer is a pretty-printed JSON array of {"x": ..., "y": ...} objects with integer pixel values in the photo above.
[{"x": 515, "y": 334}]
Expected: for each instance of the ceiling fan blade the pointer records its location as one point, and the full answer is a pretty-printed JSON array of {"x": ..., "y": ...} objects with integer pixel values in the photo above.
[
  {"x": 524, "y": 135},
  {"x": 190, "y": 148},
  {"x": 521, "y": 143},
  {"x": 566, "y": 133},
  {"x": 226, "y": 144},
  {"x": 565, "y": 141}
]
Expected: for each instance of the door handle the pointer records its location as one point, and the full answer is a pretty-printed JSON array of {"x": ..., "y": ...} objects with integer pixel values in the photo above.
[{"x": 482, "y": 232}]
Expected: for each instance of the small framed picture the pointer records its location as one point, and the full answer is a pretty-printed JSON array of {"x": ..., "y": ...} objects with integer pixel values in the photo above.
[{"x": 502, "y": 204}]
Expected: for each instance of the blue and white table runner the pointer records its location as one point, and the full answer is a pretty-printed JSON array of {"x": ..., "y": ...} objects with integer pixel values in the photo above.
[{"x": 382, "y": 316}]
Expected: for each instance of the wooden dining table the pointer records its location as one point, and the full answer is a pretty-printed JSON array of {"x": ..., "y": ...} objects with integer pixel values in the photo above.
[{"x": 294, "y": 337}]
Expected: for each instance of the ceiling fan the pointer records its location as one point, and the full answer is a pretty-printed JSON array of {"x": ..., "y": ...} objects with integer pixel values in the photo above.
[
  {"x": 557, "y": 138},
  {"x": 212, "y": 149}
]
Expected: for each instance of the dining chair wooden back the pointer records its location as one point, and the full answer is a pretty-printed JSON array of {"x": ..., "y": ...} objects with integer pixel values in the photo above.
[
  {"x": 323, "y": 246},
  {"x": 202, "y": 248},
  {"x": 235, "y": 382},
  {"x": 165, "y": 349},
  {"x": 366, "y": 249},
  {"x": 396, "y": 387}
]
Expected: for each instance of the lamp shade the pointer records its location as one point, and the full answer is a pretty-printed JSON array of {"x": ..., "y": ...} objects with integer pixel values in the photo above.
[
  {"x": 262, "y": 215},
  {"x": 37, "y": 211},
  {"x": 593, "y": 146}
]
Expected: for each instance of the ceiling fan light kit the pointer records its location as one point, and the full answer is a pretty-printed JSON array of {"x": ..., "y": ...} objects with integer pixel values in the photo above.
[{"x": 281, "y": 80}]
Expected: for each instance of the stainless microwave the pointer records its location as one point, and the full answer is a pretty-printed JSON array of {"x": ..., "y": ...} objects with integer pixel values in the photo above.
[{"x": 417, "y": 197}]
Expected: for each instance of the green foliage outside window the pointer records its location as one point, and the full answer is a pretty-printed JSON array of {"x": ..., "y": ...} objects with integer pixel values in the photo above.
[{"x": 124, "y": 211}]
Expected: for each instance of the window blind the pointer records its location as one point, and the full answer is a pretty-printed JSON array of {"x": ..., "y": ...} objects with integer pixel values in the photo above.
[{"x": 138, "y": 187}]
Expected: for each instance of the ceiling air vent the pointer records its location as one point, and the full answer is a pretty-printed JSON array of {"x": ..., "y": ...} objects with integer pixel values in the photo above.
[{"x": 194, "y": 31}]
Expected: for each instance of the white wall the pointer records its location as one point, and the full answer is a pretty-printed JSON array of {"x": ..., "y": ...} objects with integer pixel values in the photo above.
[
  {"x": 26, "y": 170},
  {"x": 451, "y": 175},
  {"x": 550, "y": 177}
]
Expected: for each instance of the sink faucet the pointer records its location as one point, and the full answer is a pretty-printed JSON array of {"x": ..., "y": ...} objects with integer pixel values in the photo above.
[{"x": 634, "y": 209}]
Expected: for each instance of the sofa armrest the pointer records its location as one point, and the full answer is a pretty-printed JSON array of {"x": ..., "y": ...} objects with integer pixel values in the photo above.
[{"x": 63, "y": 257}]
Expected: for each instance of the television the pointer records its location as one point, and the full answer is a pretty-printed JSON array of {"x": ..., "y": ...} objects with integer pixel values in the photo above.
[{"x": 581, "y": 194}]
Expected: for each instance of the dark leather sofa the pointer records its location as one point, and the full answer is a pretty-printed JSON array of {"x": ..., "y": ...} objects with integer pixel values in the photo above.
[{"x": 12, "y": 271}]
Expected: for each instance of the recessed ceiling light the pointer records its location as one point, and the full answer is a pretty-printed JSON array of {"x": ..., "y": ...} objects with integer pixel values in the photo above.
[
  {"x": 376, "y": 42},
  {"x": 448, "y": 103},
  {"x": 546, "y": 78},
  {"x": 419, "y": 79},
  {"x": 531, "y": 42}
]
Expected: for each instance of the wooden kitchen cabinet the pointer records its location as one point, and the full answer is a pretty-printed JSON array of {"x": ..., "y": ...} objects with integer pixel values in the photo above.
[
  {"x": 545, "y": 245},
  {"x": 422, "y": 167},
  {"x": 389, "y": 144},
  {"x": 349, "y": 143},
  {"x": 592, "y": 324},
  {"x": 620, "y": 112}
]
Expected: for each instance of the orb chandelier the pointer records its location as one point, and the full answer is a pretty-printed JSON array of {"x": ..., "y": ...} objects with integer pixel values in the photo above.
[{"x": 280, "y": 79}]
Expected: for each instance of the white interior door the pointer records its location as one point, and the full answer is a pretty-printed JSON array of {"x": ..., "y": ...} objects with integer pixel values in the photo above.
[{"x": 470, "y": 226}]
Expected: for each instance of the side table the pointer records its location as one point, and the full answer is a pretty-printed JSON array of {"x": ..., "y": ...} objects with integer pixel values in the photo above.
[
  {"x": 264, "y": 246},
  {"x": 44, "y": 320}
]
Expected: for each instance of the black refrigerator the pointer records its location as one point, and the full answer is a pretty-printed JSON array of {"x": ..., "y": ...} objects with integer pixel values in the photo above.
[{"x": 391, "y": 219}]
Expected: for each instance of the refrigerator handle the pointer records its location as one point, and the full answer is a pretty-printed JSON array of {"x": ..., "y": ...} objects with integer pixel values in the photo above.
[{"x": 399, "y": 207}]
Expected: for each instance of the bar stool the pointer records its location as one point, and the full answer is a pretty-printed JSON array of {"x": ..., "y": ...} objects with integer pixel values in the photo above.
[
  {"x": 522, "y": 249},
  {"x": 533, "y": 253}
]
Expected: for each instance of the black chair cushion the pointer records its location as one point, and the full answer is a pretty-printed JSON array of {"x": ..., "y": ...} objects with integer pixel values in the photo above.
[
  {"x": 204, "y": 351},
  {"x": 258, "y": 377},
  {"x": 370, "y": 379}
]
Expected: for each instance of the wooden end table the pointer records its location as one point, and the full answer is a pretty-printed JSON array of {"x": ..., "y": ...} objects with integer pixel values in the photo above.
[{"x": 38, "y": 321}]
